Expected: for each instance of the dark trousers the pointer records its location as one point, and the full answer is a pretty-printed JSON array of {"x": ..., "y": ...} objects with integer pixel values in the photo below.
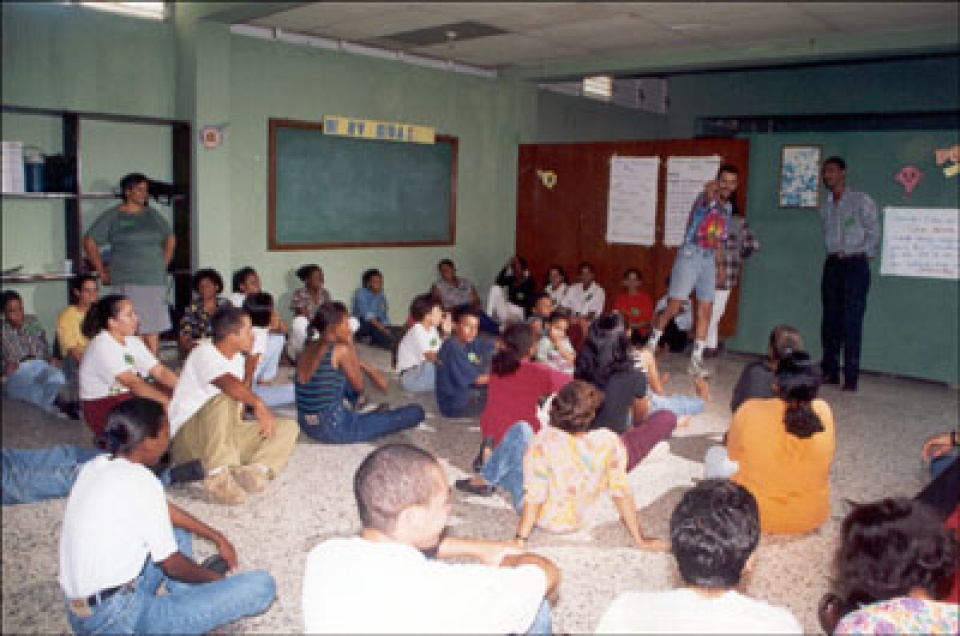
[{"x": 843, "y": 291}]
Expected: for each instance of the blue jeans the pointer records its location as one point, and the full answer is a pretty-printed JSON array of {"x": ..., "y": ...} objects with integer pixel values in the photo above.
[
  {"x": 46, "y": 473},
  {"x": 504, "y": 468},
  {"x": 339, "y": 424},
  {"x": 681, "y": 405},
  {"x": 275, "y": 394},
  {"x": 187, "y": 609},
  {"x": 940, "y": 464},
  {"x": 35, "y": 381},
  {"x": 542, "y": 623},
  {"x": 693, "y": 270},
  {"x": 270, "y": 359},
  {"x": 420, "y": 379},
  {"x": 377, "y": 337}
]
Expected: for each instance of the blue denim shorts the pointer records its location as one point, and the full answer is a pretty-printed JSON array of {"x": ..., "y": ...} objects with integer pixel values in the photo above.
[{"x": 693, "y": 269}]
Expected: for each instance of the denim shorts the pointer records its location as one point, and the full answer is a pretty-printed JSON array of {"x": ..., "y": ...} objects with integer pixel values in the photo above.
[{"x": 693, "y": 269}]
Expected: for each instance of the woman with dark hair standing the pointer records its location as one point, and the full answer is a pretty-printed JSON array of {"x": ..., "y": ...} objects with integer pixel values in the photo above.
[
  {"x": 893, "y": 565},
  {"x": 121, "y": 539},
  {"x": 196, "y": 323},
  {"x": 115, "y": 361},
  {"x": 329, "y": 372},
  {"x": 605, "y": 361},
  {"x": 141, "y": 247},
  {"x": 304, "y": 304},
  {"x": 784, "y": 447}
]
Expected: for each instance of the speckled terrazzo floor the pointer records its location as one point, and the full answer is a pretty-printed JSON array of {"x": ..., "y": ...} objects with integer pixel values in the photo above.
[{"x": 879, "y": 434}]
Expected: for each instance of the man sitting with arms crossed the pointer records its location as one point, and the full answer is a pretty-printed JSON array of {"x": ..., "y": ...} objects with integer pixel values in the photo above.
[
  {"x": 387, "y": 580},
  {"x": 205, "y": 415}
]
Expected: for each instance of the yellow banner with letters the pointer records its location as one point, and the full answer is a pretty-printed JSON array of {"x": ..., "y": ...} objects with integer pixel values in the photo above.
[{"x": 372, "y": 129}]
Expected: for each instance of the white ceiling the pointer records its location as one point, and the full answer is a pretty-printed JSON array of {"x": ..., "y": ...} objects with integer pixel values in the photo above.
[{"x": 538, "y": 34}]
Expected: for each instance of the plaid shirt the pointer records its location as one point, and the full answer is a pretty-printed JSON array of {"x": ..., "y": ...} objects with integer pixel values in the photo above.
[
  {"x": 740, "y": 244},
  {"x": 29, "y": 341}
]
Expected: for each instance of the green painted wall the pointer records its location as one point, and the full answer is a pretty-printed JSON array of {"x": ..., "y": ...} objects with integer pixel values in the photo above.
[
  {"x": 878, "y": 87},
  {"x": 910, "y": 326},
  {"x": 275, "y": 79},
  {"x": 565, "y": 118}
]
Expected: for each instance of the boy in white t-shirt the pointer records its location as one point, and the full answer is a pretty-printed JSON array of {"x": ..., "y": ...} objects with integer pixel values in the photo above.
[
  {"x": 205, "y": 415},
  {"x": 417, "y": 353},
  {"x": 264, "y": 360},
  {"x": 390, "y": 579},
  {"x": 714, "y": 531}
]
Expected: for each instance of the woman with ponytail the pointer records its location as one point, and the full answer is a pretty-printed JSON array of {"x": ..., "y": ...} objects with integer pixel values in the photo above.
[
  {"x": 121, "y": 539},
  {"x": 784, "y": 447},
  {"x": 329, "y": 377},
  {"x": 115, "y": 362}
]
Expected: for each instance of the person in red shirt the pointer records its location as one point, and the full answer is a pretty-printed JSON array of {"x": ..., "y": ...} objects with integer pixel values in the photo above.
[{"x": 635, "y": 304}]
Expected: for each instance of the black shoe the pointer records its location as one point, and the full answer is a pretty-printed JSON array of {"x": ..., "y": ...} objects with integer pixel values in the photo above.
[
  {"x": 70, "y": 409},
  {"x": 478, "y": 461},
  {"x": 481, "y": 491},
  {"x": 187, "y": 472},
  {"x": 216, "y": 563}
]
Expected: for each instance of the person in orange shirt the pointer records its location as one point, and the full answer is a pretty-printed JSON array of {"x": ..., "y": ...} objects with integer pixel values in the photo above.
[
  {"x": 635, "y": 304},
  {"x": 782, "y": 449}
]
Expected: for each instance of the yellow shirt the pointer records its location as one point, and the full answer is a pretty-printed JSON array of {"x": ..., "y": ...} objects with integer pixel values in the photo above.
[
  {"x": 789, "y": 476},
  {"x": 68, "y": 330}
]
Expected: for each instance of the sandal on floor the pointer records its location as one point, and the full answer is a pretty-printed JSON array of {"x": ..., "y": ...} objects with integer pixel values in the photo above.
[{"x": 465, "y": 485}]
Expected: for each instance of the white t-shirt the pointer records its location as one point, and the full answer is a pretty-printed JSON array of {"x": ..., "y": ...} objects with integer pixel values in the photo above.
[
  {"x": 360, "y": 586},
  {"x": 105, "y": 359},
  {"x": 260, "y": 337},
  {"x": 194, "y": 389},
  {"x": 683, "y": 611},
  {"x": 585, "y": 301},
  {"x": 236, "y": 299},
  {"x": 417, "y": 341},
  {"x": 115, "y": 517}
]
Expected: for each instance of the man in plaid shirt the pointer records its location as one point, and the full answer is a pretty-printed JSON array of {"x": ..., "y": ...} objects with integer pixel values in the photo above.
[
  {"x": 32, "y": 374},
  {"x": 741, "y": 243}
]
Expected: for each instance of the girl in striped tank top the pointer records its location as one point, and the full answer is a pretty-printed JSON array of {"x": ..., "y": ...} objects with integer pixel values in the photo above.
[{"x": 329, "y": 381}]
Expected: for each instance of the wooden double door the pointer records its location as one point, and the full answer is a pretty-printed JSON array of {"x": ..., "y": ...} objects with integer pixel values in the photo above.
[{"x": 566, "y": 224}]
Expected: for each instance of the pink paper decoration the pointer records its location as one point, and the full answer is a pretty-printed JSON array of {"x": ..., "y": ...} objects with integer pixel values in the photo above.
[{"x": 909, "y": 177}]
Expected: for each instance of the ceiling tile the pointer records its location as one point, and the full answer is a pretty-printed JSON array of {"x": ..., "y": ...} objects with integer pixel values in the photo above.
[{"x": 501, "y": 49}]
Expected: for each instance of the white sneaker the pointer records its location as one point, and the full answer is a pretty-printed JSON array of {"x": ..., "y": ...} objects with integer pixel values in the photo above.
[{"x": 697, "y": 367}]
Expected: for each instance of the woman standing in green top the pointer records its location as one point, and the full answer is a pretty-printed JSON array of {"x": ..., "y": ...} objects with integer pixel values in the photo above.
[{"x": 141, "y": 248}]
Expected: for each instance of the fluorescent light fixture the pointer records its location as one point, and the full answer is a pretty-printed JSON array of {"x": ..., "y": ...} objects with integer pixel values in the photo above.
[
  {"x": 294, "y": 37},
  {"x": 252, "y": 31},
  {"x": 153, "y": 10},
  {"x": 371, "y": 51},
  {"x": 598, "y": 86}
]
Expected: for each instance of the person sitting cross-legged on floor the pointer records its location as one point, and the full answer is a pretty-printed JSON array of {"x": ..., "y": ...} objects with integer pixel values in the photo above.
[
  {"x": 206, "y": 415},
  {"x": 390, "y": 579},
  {"x": 463, "y": 367},
  {"x": 116, "y": 362},
  {"x": 32, "y": 373},
  {"x": 417, "y": 353},
  {"x": 714, "y": 531},
  {"x": 556, "y": 476},
  {"x": 122, "y": 539},
  {"x": 329, "y": 386}
]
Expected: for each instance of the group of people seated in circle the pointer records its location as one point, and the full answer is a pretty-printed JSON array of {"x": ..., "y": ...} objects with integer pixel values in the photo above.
[{"x": 569, "y": 400}]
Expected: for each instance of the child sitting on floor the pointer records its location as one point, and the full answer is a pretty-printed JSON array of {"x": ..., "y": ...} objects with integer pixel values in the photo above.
[
  {"x": 417, "y": 353},
  {"x": 462, "y": 372},
  {"x": 554, "y": 347}
]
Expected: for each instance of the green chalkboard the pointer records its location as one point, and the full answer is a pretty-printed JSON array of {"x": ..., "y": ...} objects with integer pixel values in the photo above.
[{"x": 329, "y": 191}]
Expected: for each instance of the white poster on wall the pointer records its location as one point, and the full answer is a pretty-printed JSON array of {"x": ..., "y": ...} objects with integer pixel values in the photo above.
[
  {"x": 921, "y": 242},
  {"x": 685, "y": 179},
  {"x": 632, "y": 200}
]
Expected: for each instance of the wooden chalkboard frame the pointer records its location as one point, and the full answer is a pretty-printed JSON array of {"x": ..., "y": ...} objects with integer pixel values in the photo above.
[{"x": 275, "y": 245}]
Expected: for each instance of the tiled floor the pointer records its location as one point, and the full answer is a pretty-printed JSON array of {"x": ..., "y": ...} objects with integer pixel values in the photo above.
[{"x": 879, "y": 434}]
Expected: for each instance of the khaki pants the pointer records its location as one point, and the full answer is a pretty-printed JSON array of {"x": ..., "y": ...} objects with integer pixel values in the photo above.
[{"x": 218, "y": 436}]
